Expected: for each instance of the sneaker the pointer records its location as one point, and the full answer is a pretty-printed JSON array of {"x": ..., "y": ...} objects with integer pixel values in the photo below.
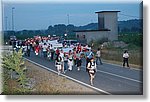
[
  {"x": 58, "y": 73},
  {"x": 65, "y": 71}
]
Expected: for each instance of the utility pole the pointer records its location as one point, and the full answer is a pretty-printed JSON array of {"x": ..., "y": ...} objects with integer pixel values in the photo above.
[
  {"x": 13, "y": 18},
  {"x": 6, "y": 23},
  {"x": 68, "y": 18}
]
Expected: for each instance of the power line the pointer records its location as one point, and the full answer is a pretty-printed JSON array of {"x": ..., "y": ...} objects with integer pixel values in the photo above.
[{"x": 129, "y": 15}]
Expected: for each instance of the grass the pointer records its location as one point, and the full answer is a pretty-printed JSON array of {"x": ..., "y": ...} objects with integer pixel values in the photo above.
[
  {"x": 120, "y": 63},
  {"x": 114, "y": 54},
  {"x": 135, "y": 56}
]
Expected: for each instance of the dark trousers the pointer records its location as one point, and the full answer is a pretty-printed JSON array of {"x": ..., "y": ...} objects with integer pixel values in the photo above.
[
  {"x": 125, "y": 60},
  {"x": 28, "y": 52},
  {"x": 98, "y": 58},
  {"x": 75, "y": 61},
  {"x": 52, "y": 55},
  {"x": 44, "y": 53},
  {"x": 79, "y": 62},
  {"x": 65, "y": 65}
]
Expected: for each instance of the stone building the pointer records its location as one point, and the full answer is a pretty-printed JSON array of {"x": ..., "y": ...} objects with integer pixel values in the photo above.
[{"x": 107, "y": 28}]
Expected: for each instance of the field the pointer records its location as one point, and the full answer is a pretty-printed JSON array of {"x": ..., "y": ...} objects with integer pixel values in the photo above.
[
  {"x": 134, "y": 46},
  {"x": 136, "y": 57}
]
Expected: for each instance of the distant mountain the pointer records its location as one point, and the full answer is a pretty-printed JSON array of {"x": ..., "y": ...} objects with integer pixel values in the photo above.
[
  {"x": 134, "y": 25},
  {"x": 91, "y": 26},
  {"x": 130, "y": 23}
]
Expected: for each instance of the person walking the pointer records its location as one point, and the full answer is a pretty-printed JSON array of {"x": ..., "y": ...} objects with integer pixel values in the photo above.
[
  {"x": 75, "y": 58},
  {"x": 62, "y": 61},
  {"x": 28, "y": 49},
  {"x": 125, "y": 58},
  {"x": 48, "y": 53},
  {"x": 57, "y": 52},
  {"x": 37, "y": 49},
  {"x": 79, "y": 61},
  {"x": 98, "y": 56},
  {"x": 91, "y": 70},
  {"x": 70, "y": 60},
  {"x": 65, "y": 62},
  {"x": 25, "y": 49},
  {"x": 89, "y": 55},
  {"x": 52, "y": 53},
  {"x": 44, "y": 50},
  {"x": 58, "y": 62}
]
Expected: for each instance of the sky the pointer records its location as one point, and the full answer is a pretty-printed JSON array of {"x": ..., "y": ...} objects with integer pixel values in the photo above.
[{"x": 38, "y": 16}]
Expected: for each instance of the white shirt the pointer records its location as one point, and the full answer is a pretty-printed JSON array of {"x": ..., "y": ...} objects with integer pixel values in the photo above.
[
  {"x": 125, "y": 55},
  {"x": 98, "y": 53},
  {"x": 44, "y": 47}
]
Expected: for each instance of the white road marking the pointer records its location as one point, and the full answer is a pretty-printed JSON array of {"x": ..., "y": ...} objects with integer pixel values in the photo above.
[
  {"x": 100, "y": 90},
  {"x": 117, "y": 75},
  {"x": 121, "y": 66},
  {"x": 120, "y": 76}
]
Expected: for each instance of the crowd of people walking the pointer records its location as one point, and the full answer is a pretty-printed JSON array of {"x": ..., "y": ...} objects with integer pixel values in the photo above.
[{"x": 64, "y": 61}]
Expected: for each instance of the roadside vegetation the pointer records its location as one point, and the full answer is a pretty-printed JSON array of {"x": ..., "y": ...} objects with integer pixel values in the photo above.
[
  {"x": 14, "y": 72},
  {"x": 112, "y": 51},
  {"x": 21, "y": 77}
]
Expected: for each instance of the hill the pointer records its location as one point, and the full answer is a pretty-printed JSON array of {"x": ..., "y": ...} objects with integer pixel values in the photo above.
[{"x": 134, "y": 25}]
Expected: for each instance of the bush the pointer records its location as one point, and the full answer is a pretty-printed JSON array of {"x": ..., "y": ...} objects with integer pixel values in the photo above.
[
  {"x": 14, "y": 62},
  {"x": 96, "y": 43}
]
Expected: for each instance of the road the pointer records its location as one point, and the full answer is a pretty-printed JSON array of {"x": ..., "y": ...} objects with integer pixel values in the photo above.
[{"x": 110, "y": 78}]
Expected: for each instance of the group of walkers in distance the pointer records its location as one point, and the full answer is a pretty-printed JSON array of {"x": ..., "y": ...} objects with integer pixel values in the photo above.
[{"x": 64, "y": 61}]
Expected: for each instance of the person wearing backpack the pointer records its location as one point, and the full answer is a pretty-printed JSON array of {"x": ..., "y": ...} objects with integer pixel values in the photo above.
[
  {"x": 91, "y": 67},
  {"x": 89, "y": 55}
]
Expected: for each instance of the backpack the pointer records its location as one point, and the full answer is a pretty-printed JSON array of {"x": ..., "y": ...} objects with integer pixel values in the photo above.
[
  {"x": 91, "y": 64},
  {"x": 92, "y": 70}
]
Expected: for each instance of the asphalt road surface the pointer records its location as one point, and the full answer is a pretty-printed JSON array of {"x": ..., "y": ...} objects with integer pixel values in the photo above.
[{"x": 109, "y": 79}]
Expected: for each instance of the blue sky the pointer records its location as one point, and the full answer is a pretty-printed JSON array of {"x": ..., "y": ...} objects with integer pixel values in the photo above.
[{"x": 34, "y": 16}]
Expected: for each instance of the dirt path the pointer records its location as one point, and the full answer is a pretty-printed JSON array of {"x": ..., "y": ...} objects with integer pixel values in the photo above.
[{"x": 47, "y": 82}]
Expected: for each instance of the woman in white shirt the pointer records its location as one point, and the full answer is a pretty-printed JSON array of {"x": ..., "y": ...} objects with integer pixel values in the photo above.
[{"x": 91, "y": 70}]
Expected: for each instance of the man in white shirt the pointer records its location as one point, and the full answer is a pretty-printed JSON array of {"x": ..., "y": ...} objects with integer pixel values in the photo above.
[
  {"x": 125, "y": 58},
  {"x": 44, "y": 47},
  {"x": 98, "y": 56}
]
